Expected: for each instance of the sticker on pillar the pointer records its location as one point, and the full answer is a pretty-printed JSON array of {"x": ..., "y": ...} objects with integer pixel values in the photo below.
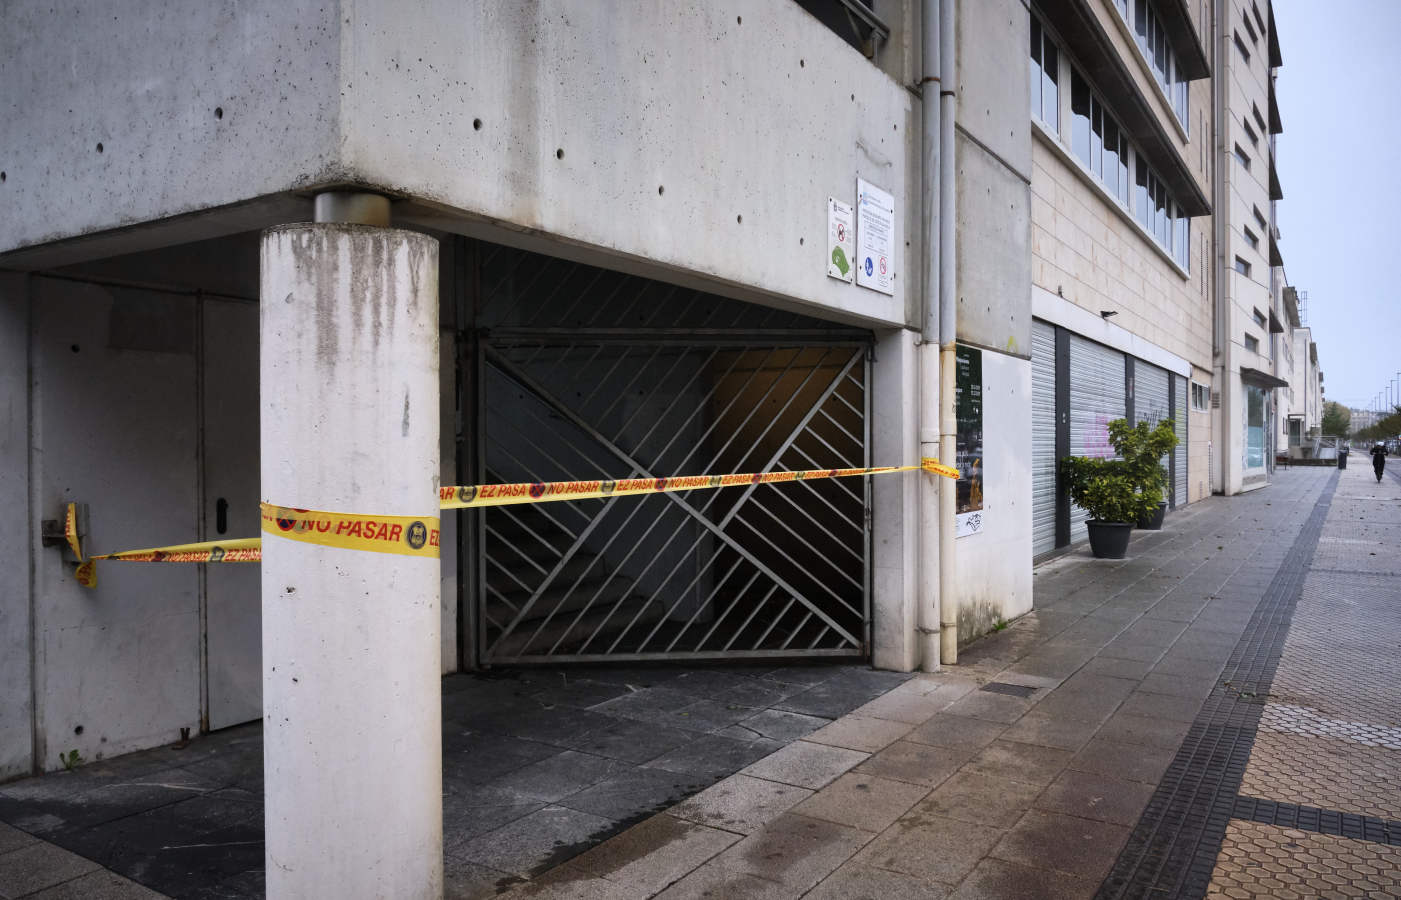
[
  {"x": 968, "y": 403},
  {"x": 401, "y": 535},
  {"x": 840, "y": 240},
  {"x": 875, "y": 238}
]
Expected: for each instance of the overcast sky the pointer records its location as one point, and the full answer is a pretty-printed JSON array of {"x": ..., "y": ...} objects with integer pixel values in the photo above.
[{"x": 1339, "y": 157}]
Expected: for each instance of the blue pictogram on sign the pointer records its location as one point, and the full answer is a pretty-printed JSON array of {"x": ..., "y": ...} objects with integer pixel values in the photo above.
[{"x": 869, "y": 268}]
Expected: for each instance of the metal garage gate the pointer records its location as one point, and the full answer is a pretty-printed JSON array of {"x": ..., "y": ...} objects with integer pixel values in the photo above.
[
  {"x": 1043, "y": 437},
  {"x": 587, "y": 374},
  {"x": 1097, "y": 397},
  {"x": 1152, "y": 403}
]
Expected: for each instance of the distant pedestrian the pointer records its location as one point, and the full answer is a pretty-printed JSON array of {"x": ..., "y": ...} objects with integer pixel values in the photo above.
[{"x": 1379, "y": 460}]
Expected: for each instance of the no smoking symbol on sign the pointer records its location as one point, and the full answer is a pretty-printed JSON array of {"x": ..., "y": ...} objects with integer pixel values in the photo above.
[
  {"x": 841, "y": 234},
  {"x": 882, "y": 265}
]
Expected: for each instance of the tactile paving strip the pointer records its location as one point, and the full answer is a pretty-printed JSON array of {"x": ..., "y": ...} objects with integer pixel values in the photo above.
[{"x": 1173, "y": 849}]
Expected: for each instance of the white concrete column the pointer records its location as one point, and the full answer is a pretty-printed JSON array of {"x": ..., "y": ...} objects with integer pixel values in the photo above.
[{"x": 352, "y": 730}]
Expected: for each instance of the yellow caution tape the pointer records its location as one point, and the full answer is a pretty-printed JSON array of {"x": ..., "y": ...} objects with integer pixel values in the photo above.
[
  {"x": 477, "y": 495},
  {"x": 420, "y": 536},
  {"x": 70, "y": 530},
  {"x": 402, "y": 535},
  {"x": 239, "y": 550}
]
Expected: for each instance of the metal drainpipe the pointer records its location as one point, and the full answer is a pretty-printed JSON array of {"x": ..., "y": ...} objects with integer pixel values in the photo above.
[
  {"x": 948, "y": 334},
  {"x": 928, "y": 618}
]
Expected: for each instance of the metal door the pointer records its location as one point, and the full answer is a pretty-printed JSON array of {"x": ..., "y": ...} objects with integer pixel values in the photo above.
[
  {"x": 1097, "y": 397},
  {"x": 1043, "y": 437},
  {"x": 630, "y": 378},
  {"x": 1152, "y": 403},
  {"x": 233, "y": 594}
]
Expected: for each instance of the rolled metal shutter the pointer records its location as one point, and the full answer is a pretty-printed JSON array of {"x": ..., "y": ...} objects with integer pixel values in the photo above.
[
  {"x": 1150, "y": 401},
  {"x": 1097, "y": 397},
  {"x": 1043, "y": 437},
  {"x": 1179, "y": 494}
]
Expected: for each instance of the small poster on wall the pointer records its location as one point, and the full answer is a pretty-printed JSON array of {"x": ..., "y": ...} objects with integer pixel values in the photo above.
[{"x": 968, "y": 404}]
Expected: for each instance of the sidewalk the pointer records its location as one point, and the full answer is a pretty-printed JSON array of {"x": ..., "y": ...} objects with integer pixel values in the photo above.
[{"x": 1216, "y": 715}]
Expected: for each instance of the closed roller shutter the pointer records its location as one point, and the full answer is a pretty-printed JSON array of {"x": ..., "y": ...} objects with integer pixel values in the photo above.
[
  {"x": 1179, "y": 494},
  {"x": 1043, "y": 437},
  {"x": 1150, "y": 402},
  {"x": 1096, "y": 399}
]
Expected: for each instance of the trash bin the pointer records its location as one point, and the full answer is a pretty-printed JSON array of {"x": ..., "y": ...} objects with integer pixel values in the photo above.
[{"x": 1342, "y": 457}]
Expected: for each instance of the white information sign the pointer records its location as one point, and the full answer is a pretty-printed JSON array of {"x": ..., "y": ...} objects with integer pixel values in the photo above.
[
  {"x": 840, "y": 240},
  {"x": 875, "y": 238}
]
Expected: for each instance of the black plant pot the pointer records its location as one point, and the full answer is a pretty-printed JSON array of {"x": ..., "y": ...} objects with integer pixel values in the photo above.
[
  {"x": 1154, "y": 522},
  {"x": 1109, "y": 540}
]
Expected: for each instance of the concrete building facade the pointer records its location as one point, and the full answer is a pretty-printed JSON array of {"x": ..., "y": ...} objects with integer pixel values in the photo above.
[{"x": 1249, "y": 304}]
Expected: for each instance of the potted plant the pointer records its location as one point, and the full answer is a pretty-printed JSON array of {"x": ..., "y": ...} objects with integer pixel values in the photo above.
[
  {"x": 1142, "y": 449},
  {"x": 1106, "y": 489}
]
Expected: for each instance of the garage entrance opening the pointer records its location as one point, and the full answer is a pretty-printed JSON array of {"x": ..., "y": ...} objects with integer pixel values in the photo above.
[{"x": 579, "y": 373}]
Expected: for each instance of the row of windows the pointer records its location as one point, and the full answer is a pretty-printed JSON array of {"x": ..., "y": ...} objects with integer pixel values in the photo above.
[
  {"x": 1102, "y": 146},
  {"x": 1152, "y": 39}
]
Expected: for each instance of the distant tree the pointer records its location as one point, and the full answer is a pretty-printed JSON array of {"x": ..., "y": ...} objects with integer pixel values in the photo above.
[{"x": 1337, "y": 419}]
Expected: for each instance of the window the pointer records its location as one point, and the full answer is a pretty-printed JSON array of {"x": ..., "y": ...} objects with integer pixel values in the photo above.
[
  {"x": 1199, "y": 397},
  {"x": 1097, "y": 139},
  {"x": 1152, "y": 39},
  {"x": 1259, "y": 119},
  {"x": 1252, "y": 343},
  {"x": 1240, "y": 45},
  {"x": 1260, "y": 218},
  {"x": 1259, "y": 317},
  {"x": 1251, "y": 239},
  {"x": 1242, "y": 267},
  {"x": 1243, "y": 158},
  {"x": 1258, "y": 19},
  {"x": 1250, "y": 133},
  {"x": 1249, "y": 29},
  {"x": 1045, "y": 77}
]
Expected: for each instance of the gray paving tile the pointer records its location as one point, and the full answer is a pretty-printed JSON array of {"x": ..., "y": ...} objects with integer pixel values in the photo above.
[
  {"x": 565, "y": 773},
  {"x": 1162, "y": 706},
  {"x": 714, "y": 755},
  {"x": 1092, "y": 796},
  {"x": 857, "y": 733},
  {"x": 805, "y": 764},
  {"x": 100, "y": 885},
  {"x": 1126, "y": 728},
  {"x": 1027, "y": 763},
  {"x": 633, "y": 741},
  {"x": 862, "y": 801},
  {"x": 996, "y": 879},
  {"x": 794, "y": 851},
  {"x": 37, "y": 866},
  {"x": 1130, "y": 761},
  {"x": 981, "y": 799},
  {"x": 779, "y": 725},
  {"x": 1079, "y": 847},
  {"x": 12, "y": 838},
  {"x": 922, "y": 764},
  {"x": 958, "y": 732},
  {"x": 650, "y": 856},
  {"x": 740, "y": 804},
  {"x": 465, "y": 880},
  {"x": 636, "y": 793},
  {"x": 930, "y": 847},
  {"x": 990, "y": 706},
  {"x": 1048, "y": 730},
  {"x": 536, "y": 842},
  {"x": 857, "y": 882}
]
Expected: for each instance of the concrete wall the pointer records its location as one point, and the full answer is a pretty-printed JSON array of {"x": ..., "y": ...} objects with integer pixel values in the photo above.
[
  {"x": 248, "y": 107},
  {"x": 703, "y": 137},
  {"x": 895, "y": 499},
  {"x": 994, "y": 566},
  {"x": 16, "y": 746}
]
